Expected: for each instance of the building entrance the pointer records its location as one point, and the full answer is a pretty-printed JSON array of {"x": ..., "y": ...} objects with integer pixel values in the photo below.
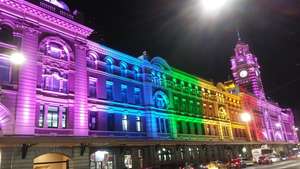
[
  {"x": 102, "y": 160},
  {"x": 51, "y": 161}
]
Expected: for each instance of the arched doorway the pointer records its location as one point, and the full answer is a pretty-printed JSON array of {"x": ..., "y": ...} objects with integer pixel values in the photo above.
[
  {"x": 102, "y": 160},
  {"x": 51, "y": 161}
]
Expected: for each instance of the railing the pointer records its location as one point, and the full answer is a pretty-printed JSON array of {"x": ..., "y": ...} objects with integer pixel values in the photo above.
[{"x": 62, "y": 12}]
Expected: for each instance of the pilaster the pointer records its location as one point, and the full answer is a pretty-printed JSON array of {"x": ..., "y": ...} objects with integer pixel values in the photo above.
[
  {"x": 26, "y": 97},
  {"x": 80, "y": 90}
]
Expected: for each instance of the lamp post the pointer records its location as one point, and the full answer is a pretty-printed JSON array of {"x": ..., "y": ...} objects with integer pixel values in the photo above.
[{"x": 246, "y": 117}]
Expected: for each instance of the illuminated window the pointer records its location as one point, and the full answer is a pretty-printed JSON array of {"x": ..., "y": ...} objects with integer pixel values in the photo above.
[
  {"x": 183, "y": 105},
  {"x": 41, "y": 116},
  {"x": 52, "y": 117},
  {"x": 196, "y": 128},
  {"x": 137, "y": 96},
  {"x": 140, "y": 157},
  {"x": 55, "y": 81},
  {"x": 179, "y": 127},
  {"x": 5, "y": 70},
  {"x": 124, "y": 93},
  {"x": 128, "y": 161},
  {"x": 175, "y": 103},
  {"x": 109, "y": 90},
  {"x": 56, "y": 51},
  {"x": 138, "y": 124},
  {"x": 125, "y": 123},
  {"x": 188, "y": 127},
  {"x": 64, "y": 118},
  {"x": 92, "y": 87},
  {"x": 164, "y": 154}
]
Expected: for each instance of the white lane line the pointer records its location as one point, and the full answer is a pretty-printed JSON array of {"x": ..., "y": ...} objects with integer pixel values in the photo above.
[
  {"x": 290, "y": 166},
  {"x": 274, "y": 165}
]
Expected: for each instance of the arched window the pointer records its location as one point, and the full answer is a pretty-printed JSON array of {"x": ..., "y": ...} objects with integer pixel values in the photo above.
[
  {"x": 123, "y": 69},
  {"x": 160, "y": 100},
  {"x": 136, "y": 73},
  {"x": 92, "y": 60},
  {"x": 109, "y": 65},
  {"x": 54, "y": 80},
  {"x": 6, "y": 34},
  {"x": 56, "y": 47}
]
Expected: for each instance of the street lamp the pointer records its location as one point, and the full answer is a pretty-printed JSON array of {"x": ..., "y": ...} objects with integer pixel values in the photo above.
[
  {"x": 17, "y": 58},
  {"x": 213, "y": 5},
  {"x": 246, "y": 117}
]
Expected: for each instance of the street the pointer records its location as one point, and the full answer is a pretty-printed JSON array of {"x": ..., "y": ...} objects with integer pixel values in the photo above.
[{"x": 291, "y": 164}]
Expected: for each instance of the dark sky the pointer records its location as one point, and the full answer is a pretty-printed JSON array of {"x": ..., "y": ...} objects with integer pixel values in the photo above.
[{"x": 202, "y": 44}]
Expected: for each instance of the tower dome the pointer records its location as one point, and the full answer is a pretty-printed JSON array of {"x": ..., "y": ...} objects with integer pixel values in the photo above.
[{"x": 59, "y": 4}]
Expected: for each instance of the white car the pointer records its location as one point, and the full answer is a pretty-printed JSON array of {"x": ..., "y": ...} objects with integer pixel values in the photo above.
[{"x": 274, "y": 158}]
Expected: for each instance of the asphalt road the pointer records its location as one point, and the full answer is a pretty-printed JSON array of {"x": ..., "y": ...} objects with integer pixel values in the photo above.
[{"x": 291, "y": 164}]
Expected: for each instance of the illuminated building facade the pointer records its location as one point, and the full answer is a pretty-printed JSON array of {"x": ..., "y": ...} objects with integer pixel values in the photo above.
[{"x": 78, "y": 104}]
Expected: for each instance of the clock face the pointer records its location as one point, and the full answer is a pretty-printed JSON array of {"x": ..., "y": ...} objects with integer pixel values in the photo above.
[{"x": 243, "y": 73}]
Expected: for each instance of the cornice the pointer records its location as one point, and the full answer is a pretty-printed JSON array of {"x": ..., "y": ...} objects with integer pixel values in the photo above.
[{"x": 28, "y": 11}]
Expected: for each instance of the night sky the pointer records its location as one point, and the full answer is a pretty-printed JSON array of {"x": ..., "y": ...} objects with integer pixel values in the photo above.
[{"x": 202, "y": 44}]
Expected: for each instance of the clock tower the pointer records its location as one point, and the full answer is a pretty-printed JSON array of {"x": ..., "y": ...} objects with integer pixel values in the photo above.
[{"x": 245, "y": 70}]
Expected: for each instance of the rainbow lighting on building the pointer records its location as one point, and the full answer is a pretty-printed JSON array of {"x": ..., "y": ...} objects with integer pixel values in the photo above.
[{"x": 70, "y": 103}]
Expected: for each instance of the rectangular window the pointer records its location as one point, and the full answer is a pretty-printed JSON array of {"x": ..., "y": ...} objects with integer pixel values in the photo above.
[
  {"x": 176, "y": 104},
  {"x": 162, "y": 124},
  {"x": 92, "y": 87},
  {"x": 138, "y": 124},
  {"x": 167, "y": 126},
  {"x": 196, "y": 128},
  {"x": 188, "y": 127},
  {"x": 41, "y": 116},
  {"x": 202, "y": 129},
  {"x": 137, "y": 96},
  {"x": 125, "y": 123},
  {"x": 191, "y": 107},
  {"x": 158, "y": 125},
  {"x": 93, "y": 120},
  {"x": 53, "y": 117},
  {"x": 4, "y": 72},
  {"x": 64, "y": 120},
  {"x": 124, "y": 92},
  {"x": 109, "y": 90},
  {"x": 179, "y": 127},
  {"x": 111, "y": 122},
  {"x": 183, "y": 105}
]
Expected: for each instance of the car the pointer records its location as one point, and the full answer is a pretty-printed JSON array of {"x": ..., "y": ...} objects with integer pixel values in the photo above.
[
  {"x": 247, "y": 162},
  {"x": 274, "y": 158},
  {"x": 235, "y": 163},
  {"x": 264, "y": 160}
]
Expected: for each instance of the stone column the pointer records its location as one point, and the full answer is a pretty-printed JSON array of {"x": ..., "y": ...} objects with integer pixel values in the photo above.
[
  {"x": 80, "y": 90},
  {"x": 26, "y": 96}
]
